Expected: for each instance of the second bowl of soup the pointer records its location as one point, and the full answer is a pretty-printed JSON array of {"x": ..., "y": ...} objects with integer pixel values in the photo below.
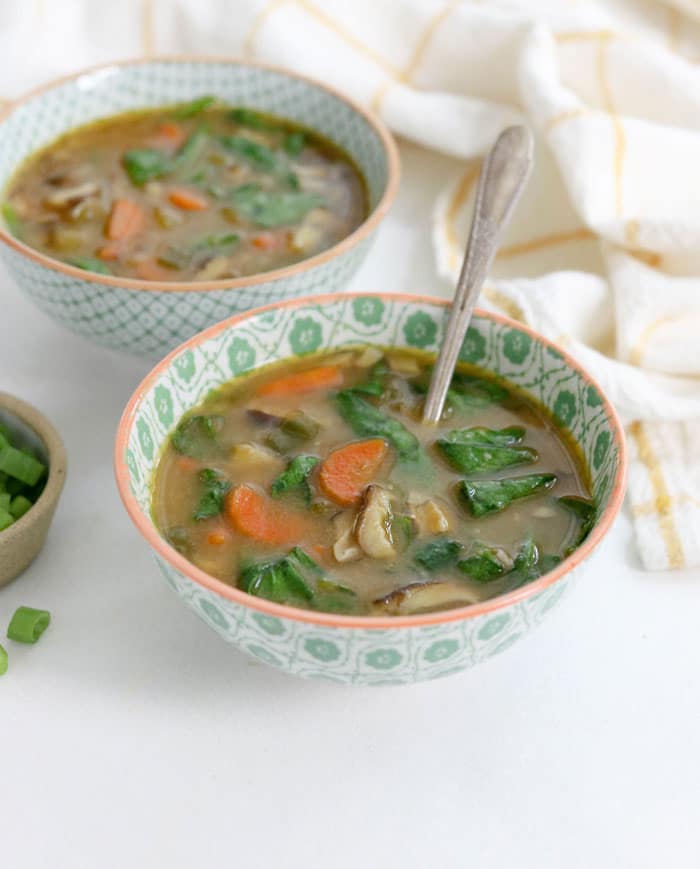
[
  {"x": 144, "y": 201},
  {"x": 278, "y": 467}
]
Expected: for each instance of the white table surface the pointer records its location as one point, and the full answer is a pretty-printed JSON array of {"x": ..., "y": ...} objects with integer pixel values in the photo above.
[{"x": 132, "y": 736}]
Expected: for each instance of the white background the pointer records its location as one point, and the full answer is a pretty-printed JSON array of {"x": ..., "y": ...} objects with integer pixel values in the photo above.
[{"x": 132, "y": 736}]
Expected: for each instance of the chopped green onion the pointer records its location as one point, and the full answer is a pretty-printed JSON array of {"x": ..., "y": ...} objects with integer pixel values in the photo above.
[
  {"x": 189, "y": 110},
  {"x": 5, "y": 499},
  {"x": 20, "y": 464},
  {"x": 12, "y": 219},
  {"x": 28, "y": 624},
  {"x": 6, "y": 519},
  {"x": 19, "y": 506},
  {"x": 294, "y": 143},
  {"x": 90, "y": 264},
  {"x": 3, "y": 661}
]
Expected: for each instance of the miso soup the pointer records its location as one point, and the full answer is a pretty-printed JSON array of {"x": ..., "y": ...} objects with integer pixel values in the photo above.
[
  {"x": 195, "y": 192},
  {"x": 314, "y": 483}
]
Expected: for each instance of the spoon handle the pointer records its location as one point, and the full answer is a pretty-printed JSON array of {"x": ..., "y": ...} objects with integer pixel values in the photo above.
[{"x": 503, "y": 176}]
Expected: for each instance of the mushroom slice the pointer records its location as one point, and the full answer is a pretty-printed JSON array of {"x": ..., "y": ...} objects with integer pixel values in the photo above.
[
  {"x": 217, "y": 267},
  {"x": 431, "y": 516},
  {"x": 424, "y": 597},
  {"x": 250, "y": 458},
  {"x": 72, "y": 194},
  {"x": 345, "y": 547},
  {"x": 368, "y": 357},
  {"x": 373, "y": 526}
]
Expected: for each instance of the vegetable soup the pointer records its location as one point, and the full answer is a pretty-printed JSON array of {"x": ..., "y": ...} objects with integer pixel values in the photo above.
[
  {"x": 314, "y": 483},
  {"x": 195, "y": 192}
]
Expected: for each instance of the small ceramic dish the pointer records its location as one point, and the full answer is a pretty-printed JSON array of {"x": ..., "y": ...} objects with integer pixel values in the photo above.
[
  {"x": 150, "y": 317},
  {"x": 22, "y": 541},
  {"x": 362, "y": 649}
]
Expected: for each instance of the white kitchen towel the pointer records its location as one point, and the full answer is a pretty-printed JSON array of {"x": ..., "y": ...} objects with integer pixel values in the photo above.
[{"x": 604, "y": 252}]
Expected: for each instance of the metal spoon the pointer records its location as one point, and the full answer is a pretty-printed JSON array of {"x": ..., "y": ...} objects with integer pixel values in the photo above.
[{"x": 503, "y": 176}]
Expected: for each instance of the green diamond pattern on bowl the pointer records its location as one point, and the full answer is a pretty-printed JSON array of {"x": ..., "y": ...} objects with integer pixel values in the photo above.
[
  {"x": 151, "y": 322},
  {"x": 358, "y": 655}
]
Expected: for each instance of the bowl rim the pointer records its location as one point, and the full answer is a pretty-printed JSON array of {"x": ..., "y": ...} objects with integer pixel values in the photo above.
[
  {"x": 57, "y": 460},
  {"x": 147, "y": 528},
  {"x": 368, "y": 225}
]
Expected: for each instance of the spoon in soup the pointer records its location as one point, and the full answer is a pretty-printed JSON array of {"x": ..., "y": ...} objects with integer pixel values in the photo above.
[{"x": 503, "y": 176}]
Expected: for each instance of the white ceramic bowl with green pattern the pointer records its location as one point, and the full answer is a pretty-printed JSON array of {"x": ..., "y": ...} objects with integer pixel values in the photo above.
[
  {"x": 361, "y": 649},
  {"x": 150, "y": 317}
]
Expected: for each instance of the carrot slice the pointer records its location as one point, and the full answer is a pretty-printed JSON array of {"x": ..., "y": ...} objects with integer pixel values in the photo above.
[
  {"x": 264, "y": 241},
  {"x": 324, "y": 377},
  {"x": 171, "y": 131},
  {"x": 126, "y": 220},
  {"x": 110, "y": 251},
  {"x": 188, "y": 200},
  {"x": 149, "y": 270},
  {"x": 187, "y": 464},
  {"x": 347, "y": 471},
  {"x": 263, "y": 519},
  {"x": 216, "y": 538}
]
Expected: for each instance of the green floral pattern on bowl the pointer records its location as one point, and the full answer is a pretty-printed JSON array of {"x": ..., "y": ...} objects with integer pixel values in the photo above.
[
  {"x": 361, "y": 654},
  {"x": 119, "y": 314}
]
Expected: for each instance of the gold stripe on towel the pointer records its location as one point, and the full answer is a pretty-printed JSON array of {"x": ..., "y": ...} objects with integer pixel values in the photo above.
[
  {"x": 618, "y": 129},
  {"x": 562, "y": 117},
  {"x": 663, "y": 503},
  {"x": 577, "y": 35},
  {"x": 537, "y": 244},
  {"x": 258, "y": 22},
  {"x": 649, "y": 507},
  {"x": 359, "y": 46},
  {"x": 418, "y": 52},
  {"x": 507, "y": 305},
  {"x": 147, "y": 38}
]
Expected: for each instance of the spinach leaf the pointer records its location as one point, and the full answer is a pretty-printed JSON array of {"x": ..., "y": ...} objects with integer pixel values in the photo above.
[
  {"x": 189, "y": 110},
  {"x": 476, "y": 391},
  {"x": 505, "y": 437},
  {"x": 337, "y": 602},
  {"x": 145, "y": 164},
  {"x": 294, "y": 143},
  {"x": 188, "y": 152},
  {"x": 295, "y": 477},
  {"x": 182, "y": 257},
  {"x": 288, "y": 580},
  {"x": 492, "y": 496},
  {"x": 479, "y": 450},
  {"x": 585, "y": 512},
  {"x": 215, "y": 486},
  {"x": 438, "y": 553},
  {"x": 90, "y": 264},
  {"x": 255, "y": 153},
  {"x": 12, "y": 219},
  {"x": 483, "y": 565},
  {"x": 529, "y": 564},
  {"x": 196, "y": 436},
  {"x": 251, "y": 118},
  {"x": 269, "y": 209},
  {"x": 368, "y": 421}
]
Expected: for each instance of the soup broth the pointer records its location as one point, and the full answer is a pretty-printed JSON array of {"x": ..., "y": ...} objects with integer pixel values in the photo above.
[
  {"x": 193, "y": 192},
  {"x": 314, "y": 483}
]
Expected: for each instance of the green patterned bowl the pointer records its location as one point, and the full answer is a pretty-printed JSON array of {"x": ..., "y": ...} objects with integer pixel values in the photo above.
[
  {"x": 148, "y": 317},
  {"x": 361, "y": 649}
]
